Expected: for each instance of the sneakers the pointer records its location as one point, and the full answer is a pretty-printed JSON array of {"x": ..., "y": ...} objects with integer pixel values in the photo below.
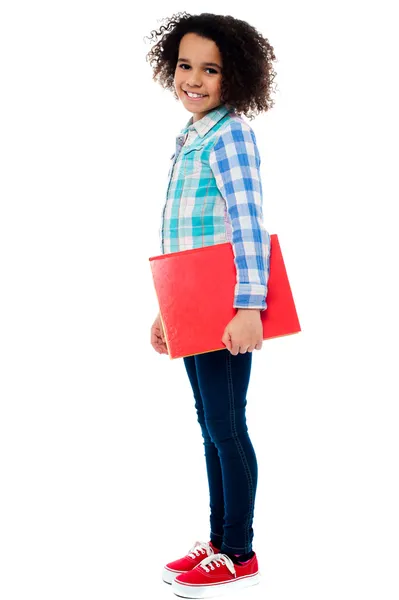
[
  {"x": 216, "y": 575},
  {"x": 198, "y": 552}
]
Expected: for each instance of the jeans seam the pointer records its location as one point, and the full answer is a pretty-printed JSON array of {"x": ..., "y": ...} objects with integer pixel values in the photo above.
[{"x": 240, "y": 451}]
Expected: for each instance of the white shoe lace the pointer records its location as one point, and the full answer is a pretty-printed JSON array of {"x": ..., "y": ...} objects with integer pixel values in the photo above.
[
  {"x": 201, "y": 547},
  {"x": 223, "y": 559}
]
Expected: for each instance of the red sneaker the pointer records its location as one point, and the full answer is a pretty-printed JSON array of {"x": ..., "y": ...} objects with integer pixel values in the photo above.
[
  {"x": 216, "y": 575},
  {"x": 188, "y": 562}
]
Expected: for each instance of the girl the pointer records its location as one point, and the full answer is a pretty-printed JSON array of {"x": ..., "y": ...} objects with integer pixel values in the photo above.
[{"x": 219, "y": 67}]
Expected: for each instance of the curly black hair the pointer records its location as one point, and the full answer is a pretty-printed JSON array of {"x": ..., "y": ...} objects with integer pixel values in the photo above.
[{"x": 247, "y": 72}]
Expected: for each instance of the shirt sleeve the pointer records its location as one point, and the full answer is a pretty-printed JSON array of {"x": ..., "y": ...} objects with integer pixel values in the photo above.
[{"x": 235, "y": 163}]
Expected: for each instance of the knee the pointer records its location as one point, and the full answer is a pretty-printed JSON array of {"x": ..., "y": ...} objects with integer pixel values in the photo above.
[{"x": 223, "y": 433}]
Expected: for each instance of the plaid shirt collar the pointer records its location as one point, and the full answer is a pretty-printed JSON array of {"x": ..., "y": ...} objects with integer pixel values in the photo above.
[{"x": 204, "y": 125}]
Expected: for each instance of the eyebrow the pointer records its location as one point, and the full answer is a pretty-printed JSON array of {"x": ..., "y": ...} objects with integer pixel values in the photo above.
[{"x": 202, "y": 64}]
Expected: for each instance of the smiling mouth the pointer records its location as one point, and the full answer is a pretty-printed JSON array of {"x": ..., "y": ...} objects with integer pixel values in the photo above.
[{"x": 195, "y": 98}]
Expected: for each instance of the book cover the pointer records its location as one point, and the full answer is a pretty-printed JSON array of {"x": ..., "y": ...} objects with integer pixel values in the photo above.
[{"x": 195, "y": 292}]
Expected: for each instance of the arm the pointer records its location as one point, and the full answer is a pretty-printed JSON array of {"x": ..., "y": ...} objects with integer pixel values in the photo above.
[{"x": 235, "y": 162}]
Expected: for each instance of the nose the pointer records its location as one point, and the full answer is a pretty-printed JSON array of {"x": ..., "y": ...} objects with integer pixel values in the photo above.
[{"x": 193, "y": 80}]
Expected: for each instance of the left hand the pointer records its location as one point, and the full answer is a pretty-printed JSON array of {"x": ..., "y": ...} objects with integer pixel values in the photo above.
[{"x": 244, "y": 332}]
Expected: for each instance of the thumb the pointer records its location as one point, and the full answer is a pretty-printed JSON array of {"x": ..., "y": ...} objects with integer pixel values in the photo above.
[{"x": 226, "y": 340}]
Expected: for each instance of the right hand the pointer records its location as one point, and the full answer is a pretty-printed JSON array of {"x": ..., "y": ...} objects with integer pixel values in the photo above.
[{"x": 158, "y": 341}]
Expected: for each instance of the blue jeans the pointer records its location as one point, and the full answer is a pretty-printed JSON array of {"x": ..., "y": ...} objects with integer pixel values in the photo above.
[{"x": 220, "y": 380}]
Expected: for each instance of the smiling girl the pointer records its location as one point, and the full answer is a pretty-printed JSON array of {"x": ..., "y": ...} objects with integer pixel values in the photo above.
[{"x": 219, "y": 68}]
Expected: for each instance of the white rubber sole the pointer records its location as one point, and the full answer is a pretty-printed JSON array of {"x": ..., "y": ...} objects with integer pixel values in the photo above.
[
  {"x": 168, "y": 576},
  {"x": 215, "y": 589}
]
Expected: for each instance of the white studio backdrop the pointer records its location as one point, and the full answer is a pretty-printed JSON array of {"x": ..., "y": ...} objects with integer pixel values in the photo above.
[{"x": 102, "y": 468}]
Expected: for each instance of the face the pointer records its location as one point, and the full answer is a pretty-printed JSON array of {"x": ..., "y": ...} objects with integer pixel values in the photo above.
[{"x": 194, "y": 74}]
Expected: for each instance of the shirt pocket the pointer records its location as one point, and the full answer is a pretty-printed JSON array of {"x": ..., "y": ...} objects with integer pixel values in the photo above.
[{"x": 192, "y": 160}]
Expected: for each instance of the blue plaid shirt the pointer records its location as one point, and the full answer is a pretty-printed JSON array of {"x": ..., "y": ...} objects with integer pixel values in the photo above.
[{"x": 214, "y": 196}]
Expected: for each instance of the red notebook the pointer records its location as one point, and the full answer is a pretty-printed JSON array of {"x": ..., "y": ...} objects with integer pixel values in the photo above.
[{"x": 195, "y": 291}]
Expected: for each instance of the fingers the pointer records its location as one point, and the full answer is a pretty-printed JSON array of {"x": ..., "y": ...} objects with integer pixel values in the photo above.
[
  {"x": 161, "y": 349},
  {"x": 158, "y": 341},
  {"x": 243, "y": 349}
]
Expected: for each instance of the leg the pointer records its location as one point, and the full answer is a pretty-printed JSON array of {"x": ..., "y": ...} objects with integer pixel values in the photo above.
[
  {"x": 223, "y": 381},
  {"x": 212, "y": 460}
]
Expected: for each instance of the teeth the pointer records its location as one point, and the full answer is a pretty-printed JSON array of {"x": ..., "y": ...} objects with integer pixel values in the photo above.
[{"x": 195, "y": 95}]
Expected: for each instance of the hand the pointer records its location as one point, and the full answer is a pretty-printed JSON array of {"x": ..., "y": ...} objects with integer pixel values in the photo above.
[
  {"x": 158, "y": 341},
  {"x": 244, "y": 332}
]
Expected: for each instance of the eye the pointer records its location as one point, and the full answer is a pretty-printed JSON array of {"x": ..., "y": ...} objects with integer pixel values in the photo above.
[{"x": 207, "y": 69}]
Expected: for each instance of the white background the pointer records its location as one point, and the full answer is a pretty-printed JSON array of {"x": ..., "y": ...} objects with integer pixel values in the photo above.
[{"x": 102, "y": 470}]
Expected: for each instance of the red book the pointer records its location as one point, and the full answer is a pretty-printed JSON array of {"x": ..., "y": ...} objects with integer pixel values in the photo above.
[{"x": 195, "y": 291}]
